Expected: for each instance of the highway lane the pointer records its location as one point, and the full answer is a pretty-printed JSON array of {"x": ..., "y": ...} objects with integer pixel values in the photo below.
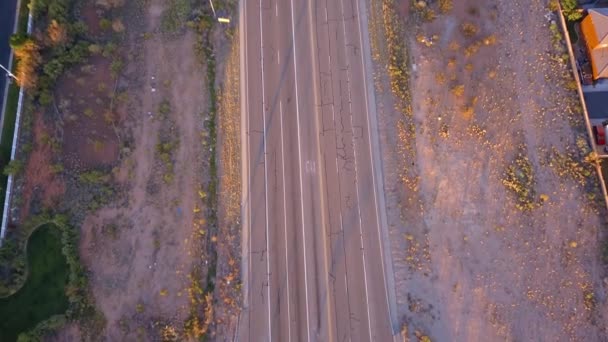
[
  {"x": 314, "y": 259},
  {"x": 8, "y": 10}
]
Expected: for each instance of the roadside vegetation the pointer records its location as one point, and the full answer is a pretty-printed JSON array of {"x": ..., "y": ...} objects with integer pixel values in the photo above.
[
  {"x": 519, "y": 179},
  {"x": 202, "y": 280},
  {"x": 392, "y": 54}
]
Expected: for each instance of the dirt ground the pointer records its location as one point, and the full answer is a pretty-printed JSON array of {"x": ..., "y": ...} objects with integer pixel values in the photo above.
[
  {"x": 140, "y": 269},
  {"x": 469, "y": 265},
  {"x": 41, "y": 187}
]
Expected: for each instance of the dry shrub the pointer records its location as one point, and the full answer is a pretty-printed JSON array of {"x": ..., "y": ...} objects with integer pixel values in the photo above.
[
  {"x": 451, "y": 62},
  {"x": 519, "y": 179},
  {"x": 118, "y": 26},
  {"x": 28, "y": 60},
  {"x": 454, "y": 46},
  {"x": 469, "y": 29},
  {"x": 492, "y": 74},
  {"x": 445, "y": 6},
  {"x": 489, "y": 40},
  {"x": 457, "y": 90},
  {"x": 58, "y": 33},
  {"x": 471, "y": 49},
  {"x": 468, "y": 112},
  {"x": 440, "y": 78},
  {"x": 429, "y": 15}
]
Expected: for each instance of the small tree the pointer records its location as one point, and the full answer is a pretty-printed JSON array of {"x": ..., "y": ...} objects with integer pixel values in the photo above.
[
  {"x": 571, "y": 10},
  {"x": 13, "y": 168}
]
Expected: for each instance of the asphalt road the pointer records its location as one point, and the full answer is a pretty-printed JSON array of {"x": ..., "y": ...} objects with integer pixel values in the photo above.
[
  {"x": 7, "y": 22},
  {"x": 312, "y": 215}
]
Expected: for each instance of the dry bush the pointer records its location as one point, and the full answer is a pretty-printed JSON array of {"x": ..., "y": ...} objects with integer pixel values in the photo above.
[
  {"x": 492, "y": 74},
  {"x": 454, "y": 46},
  {"x": 469, "y": 29},
  {"x": 451, "y": 62},
  {"x": 567, "y": 165},
  {"x": 490, "y": 40},
  {"x": 118, "y": 26},
  {"x": 457, "y": 90},
  {"x": 440, "y": 78},
  {"x": 519, "y": 178},
  {"x": 445, "y": 6},
  {"x": 28, "y": 60},
  {"x": 429, "y": 15},
  {"x": 468, "y": 112},
  {"x": 58, "y": 33},
  {"x": 472, "y": 49}
]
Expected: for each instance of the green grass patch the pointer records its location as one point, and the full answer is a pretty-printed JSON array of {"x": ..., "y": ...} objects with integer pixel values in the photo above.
[
  {"x": 176, "y": 15},
  {"x": 43, "y": 294}
]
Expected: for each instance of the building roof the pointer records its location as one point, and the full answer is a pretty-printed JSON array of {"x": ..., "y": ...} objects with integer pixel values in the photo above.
[
  {"x": 595, "y": 30},
  {"x": 596, "y": 104}
]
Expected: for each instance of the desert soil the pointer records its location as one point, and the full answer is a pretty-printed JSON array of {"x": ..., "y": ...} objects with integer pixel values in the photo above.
[
  {"x": 469, "y": 265},
  {"x": 140, "y": 272}
]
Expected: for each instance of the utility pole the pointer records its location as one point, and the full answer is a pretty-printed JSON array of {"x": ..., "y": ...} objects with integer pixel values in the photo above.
[{"x": 8, "y": 72}]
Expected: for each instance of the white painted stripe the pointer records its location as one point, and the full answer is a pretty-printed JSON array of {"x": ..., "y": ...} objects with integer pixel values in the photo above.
[
  {"x": 265, "y": 176},
  {"x": 285, "y": 221},
  {"x": 350, "y": 104},
  {"x": 318, "y": 126}
]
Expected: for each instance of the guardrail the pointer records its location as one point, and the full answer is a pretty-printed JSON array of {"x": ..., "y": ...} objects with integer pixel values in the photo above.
[{"x": 9, "y": 184}]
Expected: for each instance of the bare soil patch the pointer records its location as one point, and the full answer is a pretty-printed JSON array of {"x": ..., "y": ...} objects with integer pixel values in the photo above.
[
  {"x": 90, "y": 16},
  {"x": 41, "y": 187},
  {"x": 487, "y": 85},
  {"x": 84, "y": 100},
  {"x": 147, "y": 251}
]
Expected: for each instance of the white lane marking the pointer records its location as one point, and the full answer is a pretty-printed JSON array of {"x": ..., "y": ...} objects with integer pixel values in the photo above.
[
  {"x": 350, "y": 103},
  {"x": 278, "y": 57},
  {"x": 333, "y": 116},
  {"x": 245, "y": 196},
  {"x": 316, "y": 92},
  {"x": 311, "y": 166},
  {"x": 295, "y": 66},
  {"x": 285, "y": 220},
  {"x": 384, "y": 280},
  {"x": 276, "y": 8},
  {"x": 265, "y": 175}
]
